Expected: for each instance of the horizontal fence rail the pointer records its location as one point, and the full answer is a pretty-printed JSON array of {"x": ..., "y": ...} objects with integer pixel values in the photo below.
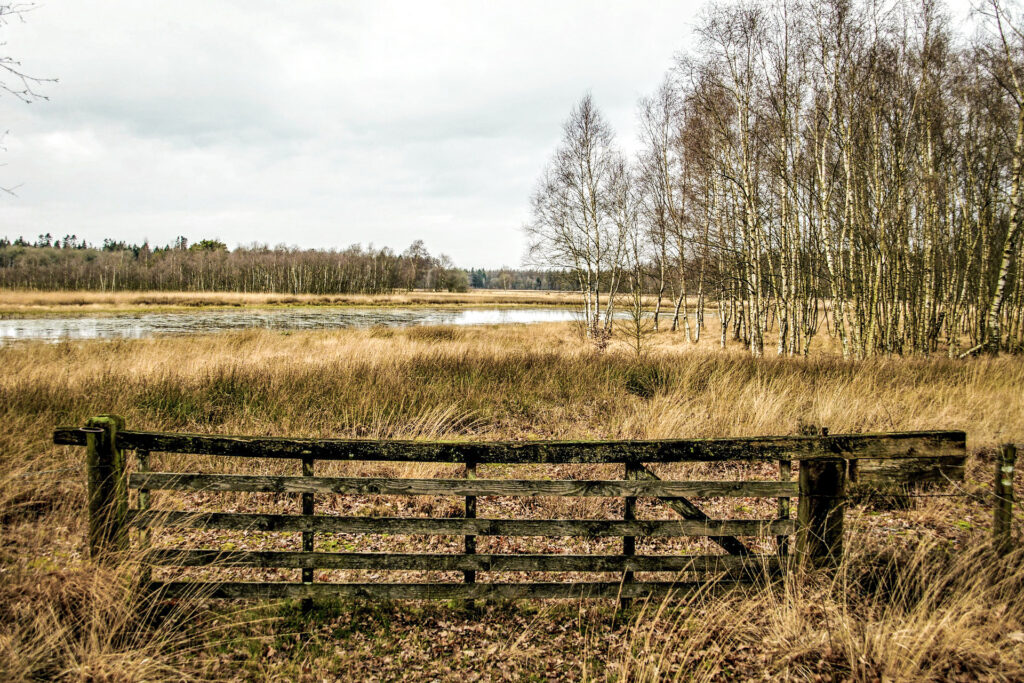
[
  {"x": 823, "y": 463},
  {"x": 177, "y": 481},
  {"x": 895, "y": 445},
  {"x": 428, "y": 591},
  {"x": 429, "y": 526},
  {"x": 522, "y": 562}
]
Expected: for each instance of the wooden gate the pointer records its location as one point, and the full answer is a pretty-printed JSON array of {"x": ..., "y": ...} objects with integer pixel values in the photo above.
[{"x": 822, "y": 465}]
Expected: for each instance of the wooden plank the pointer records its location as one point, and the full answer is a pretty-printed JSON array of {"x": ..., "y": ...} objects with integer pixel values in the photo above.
[
  {"x": 470, "y": 541},
  {"x": 688, "y": 510},
  {"x": 183, "y": 481},
  {"x": 423, "y": 591},
  {"x": 142, "y": 463},
  {"x": 891, "y": 445},
  {"x": 307, "y": 536},
  {"x": 901, "y": 475},
  {"x": 786, "y": 475},
  {"x": 629, "y": 542},
  {"x": 460, "y": 526},
  {"x": 449, "y": 562}
]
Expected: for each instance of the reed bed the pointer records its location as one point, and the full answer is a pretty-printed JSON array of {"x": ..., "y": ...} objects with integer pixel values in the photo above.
[
  {"x": 29, "y": 302},
  {"x": 919, "y": 595}
]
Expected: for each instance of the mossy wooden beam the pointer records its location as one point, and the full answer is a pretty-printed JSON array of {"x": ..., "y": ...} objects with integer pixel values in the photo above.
[
  {"x": 881, "y": 446},
  {"x": 107, "y": 488},
  {"x": 425, "y": 591},
  {"x": 464, "y": 562},
  {"x": 183, "y": 481}
]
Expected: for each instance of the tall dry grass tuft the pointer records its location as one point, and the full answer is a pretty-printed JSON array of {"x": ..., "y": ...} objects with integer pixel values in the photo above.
[
  {"x": 933, "y": 618},
  {"x": 89, "y": 623},
  {"x": 922, "y": 613}
]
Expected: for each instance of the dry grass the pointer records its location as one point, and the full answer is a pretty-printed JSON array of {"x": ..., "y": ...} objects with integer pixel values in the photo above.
[
  {"x": 919, "y": 596},
  {"x": 916, "y": 613}
]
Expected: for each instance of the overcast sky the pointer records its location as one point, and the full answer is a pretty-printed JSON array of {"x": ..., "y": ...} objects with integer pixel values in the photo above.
[{"x": 317, "y": 124}]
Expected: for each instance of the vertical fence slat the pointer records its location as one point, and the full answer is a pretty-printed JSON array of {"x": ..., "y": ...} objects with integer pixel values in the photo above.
[
  {"x": 96, "y": 503},
  {"x": 142, "y": 465},
  {"x": 307, "y": 536},
  {"x": 629, "y": 514},
  {"x": 470, "y": 547},
  {"x": 107, "y": 488},
  {"x": 1002, "y": 526},
  {"x": 785, "y": 474}
]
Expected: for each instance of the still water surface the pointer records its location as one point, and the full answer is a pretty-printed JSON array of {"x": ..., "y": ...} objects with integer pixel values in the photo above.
[{"x": 136, "y": 326}]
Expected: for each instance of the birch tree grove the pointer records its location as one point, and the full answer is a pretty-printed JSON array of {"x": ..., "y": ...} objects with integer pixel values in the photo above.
[{"x": 846, "y": 167}]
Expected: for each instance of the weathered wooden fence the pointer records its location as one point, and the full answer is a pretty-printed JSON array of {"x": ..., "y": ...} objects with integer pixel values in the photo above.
[{"x": 822, "y": 474}]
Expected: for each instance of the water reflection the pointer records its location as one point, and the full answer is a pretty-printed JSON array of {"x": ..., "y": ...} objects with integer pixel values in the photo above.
[{"x": 136, "y": 326}]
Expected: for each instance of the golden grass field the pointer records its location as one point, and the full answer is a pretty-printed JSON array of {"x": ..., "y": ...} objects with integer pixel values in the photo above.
[{"x": 919, "y": 595}]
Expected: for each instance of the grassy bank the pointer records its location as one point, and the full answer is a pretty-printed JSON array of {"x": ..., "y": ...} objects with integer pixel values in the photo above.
[
  {"x": 31, "y": 303},
  {"x": 919, "y": 596}
]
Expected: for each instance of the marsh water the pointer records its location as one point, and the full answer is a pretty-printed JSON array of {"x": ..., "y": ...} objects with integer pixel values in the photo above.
[{"x": 139, "y": 325}]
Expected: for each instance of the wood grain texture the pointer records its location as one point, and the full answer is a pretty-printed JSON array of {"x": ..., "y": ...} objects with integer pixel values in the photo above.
[{"x": 889, "y": 475}]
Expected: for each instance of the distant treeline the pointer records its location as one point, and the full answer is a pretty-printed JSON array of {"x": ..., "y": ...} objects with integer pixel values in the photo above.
[
  {"x": 208, "y": 265},
  {"x": 506, "y": 278}
]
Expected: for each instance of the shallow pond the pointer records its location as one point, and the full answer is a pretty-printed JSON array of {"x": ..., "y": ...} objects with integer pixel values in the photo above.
[{"x": 136, "y": 326}]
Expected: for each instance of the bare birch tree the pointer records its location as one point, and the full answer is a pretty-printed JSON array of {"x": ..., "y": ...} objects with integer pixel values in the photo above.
[{"x": 574, "y": 221}]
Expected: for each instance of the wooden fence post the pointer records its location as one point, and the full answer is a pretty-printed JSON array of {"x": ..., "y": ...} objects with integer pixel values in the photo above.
[
  {"x": 307, "y": 536},
  {"x": 820, "y": 512},
  {"x": 469, "y": 575},
  {"x": 142, "y": 465},
  {"x": 785, "y": 474},
  {"x": 1002, "y": 527},
  {"x": 629, "y": 542},
  {"x": 107, "y": 488}
]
